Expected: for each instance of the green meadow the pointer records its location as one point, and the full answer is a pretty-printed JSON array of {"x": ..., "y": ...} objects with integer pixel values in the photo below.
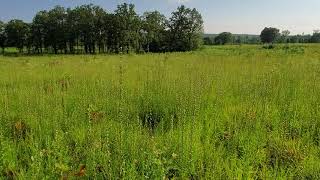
[{"x": 223, "y": 112}]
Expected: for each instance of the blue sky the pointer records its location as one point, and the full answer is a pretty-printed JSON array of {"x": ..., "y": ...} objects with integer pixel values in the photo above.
[{"x": 236, "y": 16}]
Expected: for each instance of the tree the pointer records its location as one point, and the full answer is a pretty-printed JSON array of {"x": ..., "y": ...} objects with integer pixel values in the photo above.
[
  {"x": 269, "y": 35},
  {"x": 154, "y": 25},
  {"x": 284, "y": 36},
  {"x": 16, "y": 31},
  {"x": 72, "y": 32},
  {"x": 185, "y": 29},
  {"x": 128, "y": 25},
  {"x": 208, "y": 41},
  {"x": 100, "y": 19},
  {"x": 88, "y": 27},
  {"x": 223, "y": 38},
  {"x": 112, "y": 33},
  {"x": 56, "y": 29},
  {"x": 39, "y": 31},
  {"x": 2, "y": 36},
  {"x": 315, "y": 38},
  {"x": 29, "y": 39}
]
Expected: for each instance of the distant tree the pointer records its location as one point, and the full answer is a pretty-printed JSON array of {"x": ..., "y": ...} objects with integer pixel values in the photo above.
[
  {"x": 255, "y": 40},
  {"x": 17, "y": 31},
  {"x": 88, "y": 27},
  {"x": 269, "y": 35},
  {"x": 223, "y": 38},
  {"x": 305, "y": 38},
  {"x": 238, "y": 40},
  {"x": 72, "y": 32},
  {"x": 284, "y": 36},
  {"x": 100, "y": 28},
  {"x": 2, "y": 36},
  {"x": 128, "y": 25},
  {"x": 112, "y": 33},
  {"x": 56, "y": 29},
  {"x": 293, "y": 39},
  {"x": 39, "y": 31},
  {"x": 29, "y": 43},
  {"x": 185, "y": 29},
  {"x": 84, "y": 22},
  {"x": 208, "y": 41},
  {"x": 154, "y": 26},
  {"x": 315, "y": 38}
]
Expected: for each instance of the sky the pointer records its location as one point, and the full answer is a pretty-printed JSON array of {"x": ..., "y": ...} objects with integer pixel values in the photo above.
[{"x": 236, "y": 16}]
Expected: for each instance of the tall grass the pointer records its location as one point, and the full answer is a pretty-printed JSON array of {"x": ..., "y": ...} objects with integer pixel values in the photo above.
[{"x": 231, "y": 112}]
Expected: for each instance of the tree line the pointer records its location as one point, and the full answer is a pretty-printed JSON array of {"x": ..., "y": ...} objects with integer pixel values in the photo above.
[
  {"x": 90, "y": 29},
  {"x": 268, "y": 35}
]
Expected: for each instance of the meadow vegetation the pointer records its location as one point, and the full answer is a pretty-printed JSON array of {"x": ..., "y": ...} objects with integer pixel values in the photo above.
[{"x": 223, "y": 112}]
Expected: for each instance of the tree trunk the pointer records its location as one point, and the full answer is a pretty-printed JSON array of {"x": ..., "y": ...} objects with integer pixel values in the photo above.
[
  {"x": 65, "y": 47},
  {"x": 93, "y": 47},
  {"x": 85, "y": 48},
  {"x": 41, "y": 47},
  {"x": 55, "y": 50}
]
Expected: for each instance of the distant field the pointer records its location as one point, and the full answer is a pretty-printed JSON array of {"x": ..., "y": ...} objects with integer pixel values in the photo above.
[{"x": 224, "y": 112}]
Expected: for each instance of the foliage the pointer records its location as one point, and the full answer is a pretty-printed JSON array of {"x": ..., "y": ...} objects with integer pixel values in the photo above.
[
  {"x": 300, "y": 38},
  {"x": 128, "y": 27},
  {"x": 208, "y": 40},
  {"x": 87, "y": 27},
  {"x": 269, "y": 35},
  {"x": 284, "y": 37},
  {"x": 185, "y": 29},
  {"x": 315, "y": 38},
  {"x": 223, "y": 38},
  {"x": 154, "y": 31},
  {"x": 237, "y": 39},
  {"x": 2, "y": 36},
  {"x": 16, "y": 31}
]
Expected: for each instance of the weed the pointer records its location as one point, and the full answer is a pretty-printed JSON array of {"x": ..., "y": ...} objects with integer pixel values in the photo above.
[
  {"x": 280, "y": 153},
  {"x": 94, "y": 114},
  {"x": 20, "y": 130},
  {"x": 172, "y": 173},
  {"x": 231, "y": 112}
]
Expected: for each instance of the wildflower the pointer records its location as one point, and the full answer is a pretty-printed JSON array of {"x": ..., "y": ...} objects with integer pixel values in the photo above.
[{"x": 174, "y": 155}]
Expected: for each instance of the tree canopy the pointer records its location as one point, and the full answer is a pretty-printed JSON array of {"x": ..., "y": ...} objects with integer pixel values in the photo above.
[
  {"x": 284, "y": 38},
  {"x": 185, "y": 29},
  {"x": 223, "y": 38},
  {"x": 88, "y": 28},
  {"x": 154, "y": 31},
  {"x": 2, "y": 35},
  {"x": 315, "y": 38},
  {"x": 16, "y": 32},
  {"x": 269, "y": 35}
]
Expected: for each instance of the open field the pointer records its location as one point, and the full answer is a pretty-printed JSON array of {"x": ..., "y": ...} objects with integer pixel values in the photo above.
[{"x": 224, "y": 112}]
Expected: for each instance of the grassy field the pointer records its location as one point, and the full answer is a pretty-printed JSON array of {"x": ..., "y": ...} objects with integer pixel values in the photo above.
[{"x": 224, "y": 112}]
